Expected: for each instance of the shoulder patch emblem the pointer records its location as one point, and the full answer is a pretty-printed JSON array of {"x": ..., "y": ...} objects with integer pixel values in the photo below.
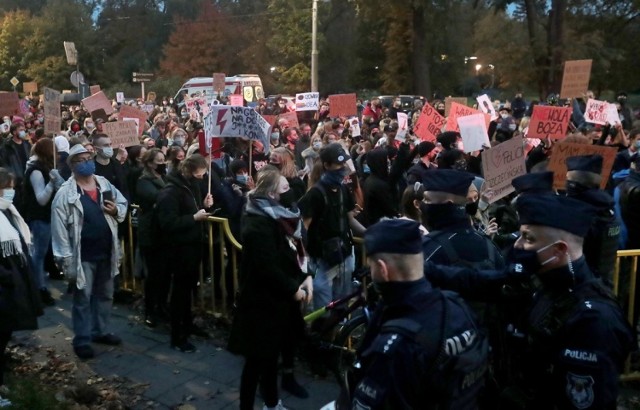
[{"x": 579, "y": 390}]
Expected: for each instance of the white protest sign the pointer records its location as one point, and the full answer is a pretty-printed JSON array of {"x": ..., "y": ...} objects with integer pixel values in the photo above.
[
  {"x": 473, "y": 130},
  {"x": 231, "y": 121},
  {"x": 403, "y": 125},
  {"x": 612, "y": 114},
  {"x": 307, "y": 101},
  {"x": 120, "y": 97},
  {"x": 596, "y": 112},
  {"x": 354, "y": 125},
  {"x": 500, "y": 165},
  {"x": 485, "y": 105}
]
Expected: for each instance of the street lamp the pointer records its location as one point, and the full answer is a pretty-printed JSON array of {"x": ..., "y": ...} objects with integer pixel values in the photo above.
[
  {"x": 493, "y": 74},
  {"x": 478, "y": 67},
  {"x": 314, "y": 46},
  {"x": 466, "y": 59}
]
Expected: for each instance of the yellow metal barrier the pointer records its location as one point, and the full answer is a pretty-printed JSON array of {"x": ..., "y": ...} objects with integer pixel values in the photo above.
[{"x": 632, "y": 271}]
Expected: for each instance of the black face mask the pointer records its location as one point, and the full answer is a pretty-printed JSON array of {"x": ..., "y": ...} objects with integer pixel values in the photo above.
[
  {"x": 441, "y": 112},
  {"x": 471, "y": 208},
  {"x": 434, "y": 213},
  {"x": 575, "y": 188},
  {"x": 287, "y": 199},
  {"x": 527, "y": 259},
  {"x": 161, "y": 169}
]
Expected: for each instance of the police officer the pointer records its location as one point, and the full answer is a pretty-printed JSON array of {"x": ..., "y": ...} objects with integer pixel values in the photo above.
[
  {"x": 601, "y": 242},
  {"x": 418, "y": 336},
  {"x": 576, "y": 337}
]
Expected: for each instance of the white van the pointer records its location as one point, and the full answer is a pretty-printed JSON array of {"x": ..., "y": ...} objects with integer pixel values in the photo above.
[{"x": 248, "y": 85}]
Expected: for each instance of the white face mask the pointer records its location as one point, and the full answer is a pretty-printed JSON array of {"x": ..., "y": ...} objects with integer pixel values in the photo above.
[
  {"x": 504, "y": 116},
  {"x": 8, "y": 194},
  {"x": 106, "y": 152}
]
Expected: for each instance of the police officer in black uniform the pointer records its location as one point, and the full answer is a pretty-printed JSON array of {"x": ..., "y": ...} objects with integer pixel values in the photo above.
[
  {"x": 576, "y": 337},
  {"x": 414, "y": 349},
  {"x": 601, "y": 242}
]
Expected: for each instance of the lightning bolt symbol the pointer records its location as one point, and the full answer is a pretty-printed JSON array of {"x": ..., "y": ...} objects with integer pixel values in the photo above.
[{"x": 221, "y": 122}]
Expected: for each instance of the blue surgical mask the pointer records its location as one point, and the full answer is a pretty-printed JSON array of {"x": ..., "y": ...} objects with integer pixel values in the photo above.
[
  {"x": 317, "y": 145},
  {"x": 275, "y": 136},
  {"x": 366, "y": 169},
  {"x": 85, "y": 169},
  {"x": 638, "y": 145},
  {"x": 242, "y": 179},
  {"x": 8, "y": 194},
  {"x": 22, "y": 134},
  {"x": 107, "y": 152}
]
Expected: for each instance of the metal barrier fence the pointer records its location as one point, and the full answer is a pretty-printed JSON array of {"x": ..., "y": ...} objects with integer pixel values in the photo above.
[{"x": 630, "y": 293}]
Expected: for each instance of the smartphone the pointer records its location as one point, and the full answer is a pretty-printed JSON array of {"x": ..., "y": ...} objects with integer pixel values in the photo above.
[{"x": 107, "y": 196}]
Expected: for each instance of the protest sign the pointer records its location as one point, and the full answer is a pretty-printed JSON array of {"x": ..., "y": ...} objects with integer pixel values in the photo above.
[
  {"x": 218, "y": 82},
  {"x": 52, "y": 120},
  {"x": 342, "y": 105},
  {"x": 195, "y": 103},
  {"x": 271, "y": 119},
  {"x": 459, "y": 110},
  {"x": 98, "y": 101},
  {"x": 291, "y": 118},
  {"x": 450, "y": 100},
  {"x": 307, "y": 101},
  {"x": 429, "y": 124},
  {"x": 484, "y": 104},
  {"x": 563, "y": 150},
  {"x": 612, "y": 114},
  {"x": 226, "y": 121},
  {"x": 136, "y": 121},
  {"x": 9, "y": 103},
  {"x": 500, "y": 165},
  {"x": 236, "y": 100},
  {"x": 94, "y": 89},
  {"x": 120, "y": 97},
  {"x": 473, "y": 130},
  {"x": 25, "y": 107},
  {"x": 122, "y": 133},
  {"x": 148, "y": 108},
  {"x": 403, "y": 125},
  {"x": 30, "y": 87},
  {"x": 596, "y": 112},
  {"x": 575, "y": 79},
  {"x": 151, "y": 97},
  {"x": 354, "y": 125},
  {"x": 547, "y": 121},
  {"x": 132, "y": 112}
]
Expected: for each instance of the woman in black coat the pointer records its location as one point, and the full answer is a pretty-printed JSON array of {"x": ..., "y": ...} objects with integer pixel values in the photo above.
[
  {"x": 19, "y": 298},
  {"x": 272, "y": 287},
  {"x": 147, "y": 188},
  {"x": 181, "y": 218}
]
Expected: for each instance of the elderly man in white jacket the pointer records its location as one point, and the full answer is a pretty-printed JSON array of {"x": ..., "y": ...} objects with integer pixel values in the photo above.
[{"x": 84, "y": 227}]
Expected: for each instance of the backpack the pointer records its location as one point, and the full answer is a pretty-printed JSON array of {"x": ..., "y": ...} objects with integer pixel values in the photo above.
[{"x": 456, "y": 375}]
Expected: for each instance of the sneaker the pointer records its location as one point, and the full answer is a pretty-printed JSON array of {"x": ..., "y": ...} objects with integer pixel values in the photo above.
[
  {"x": 108, "y": 339},
  {"x": 196, "y": 330},
  {"x": 46, "y": 298},
  {"x": 84, "y": 352},
  {"x": 278, "y": 406},
  {"x": 290, "y": 385},
  {"x": 184, "y": 347}
]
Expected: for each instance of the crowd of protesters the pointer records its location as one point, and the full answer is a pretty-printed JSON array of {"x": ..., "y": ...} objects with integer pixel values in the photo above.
[{"x": 295, "y": 206}]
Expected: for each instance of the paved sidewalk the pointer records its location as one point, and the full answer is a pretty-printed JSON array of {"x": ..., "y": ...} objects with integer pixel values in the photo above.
[{"x": 206, "y": 379}]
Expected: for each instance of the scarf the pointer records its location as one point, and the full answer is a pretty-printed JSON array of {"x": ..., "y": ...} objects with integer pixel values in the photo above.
[
  {"x": 289, "y": 221},
  {"x": 10, "y": 243}
]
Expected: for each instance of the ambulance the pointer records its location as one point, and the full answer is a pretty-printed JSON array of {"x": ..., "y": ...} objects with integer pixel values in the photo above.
[{"x": 247, "y": 85}]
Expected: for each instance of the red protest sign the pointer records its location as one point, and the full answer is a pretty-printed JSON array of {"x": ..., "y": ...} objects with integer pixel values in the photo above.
[
  {"x": 547, "y": 121},
  {"x": 429, "y": 124},
  {"x": 342, "y": 105},
  {"x": 458, "y": 111},
  {"x": 127, "y": 111},
  {"x": 9, "y": 103}
]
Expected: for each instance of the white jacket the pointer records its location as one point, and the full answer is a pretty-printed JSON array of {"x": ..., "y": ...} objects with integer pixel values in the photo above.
[{"x": 66, "y": 227}]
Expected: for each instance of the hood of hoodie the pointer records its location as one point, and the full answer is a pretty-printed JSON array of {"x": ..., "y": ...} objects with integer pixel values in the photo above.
[{"x": 377, "y": 161}]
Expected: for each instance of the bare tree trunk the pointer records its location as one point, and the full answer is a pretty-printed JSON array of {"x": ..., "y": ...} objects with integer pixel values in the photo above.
[
  {"x": 419, "y": 53},
  {"x": 536, "y": 45},
  {"x": 555, "y": 41}
]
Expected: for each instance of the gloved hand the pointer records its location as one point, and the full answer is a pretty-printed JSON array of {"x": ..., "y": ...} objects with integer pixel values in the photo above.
[{"x": 56, "y": 178}]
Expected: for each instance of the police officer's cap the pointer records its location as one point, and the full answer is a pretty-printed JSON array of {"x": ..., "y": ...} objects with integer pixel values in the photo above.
[
  {"x": 556, "y": 211},
  {"x": 451, "y": 181},
  {"x": 534, "y": 183},
  {"x": 393, "y": 236},
  {"x": 587, "y": 163}
]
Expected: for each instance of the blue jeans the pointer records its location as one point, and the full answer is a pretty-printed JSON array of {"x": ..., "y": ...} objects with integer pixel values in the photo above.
[
  {"x": 331, "y": 282},
  {"x": 91, "y": 309},
  {"x": 41, "y": 238}
]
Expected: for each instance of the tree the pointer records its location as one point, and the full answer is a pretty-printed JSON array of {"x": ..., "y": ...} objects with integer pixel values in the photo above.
[{"x": 15, "y": 29}]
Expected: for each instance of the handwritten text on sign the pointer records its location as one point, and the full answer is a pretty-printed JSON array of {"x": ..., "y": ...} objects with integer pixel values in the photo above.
[
  {"x": 563, "y": 150},
  {"x": 549, "y": 122},
  {"x": 601, "y": 112},
  {"x": 575, "y": 79},
  {"x": 122, "y": 132},
  {"x": 307, "y": 101},
  {"x": 229, "y": 121},
  {"x": 52, "y": 120},
  {"x": 500, "y": 165},
  {"x": 429, "y": 124},
  {"x": 458, "y": 111}
]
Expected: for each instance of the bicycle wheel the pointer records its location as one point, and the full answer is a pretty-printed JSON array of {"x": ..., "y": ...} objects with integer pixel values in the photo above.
[{"x": 346, "y": 343}]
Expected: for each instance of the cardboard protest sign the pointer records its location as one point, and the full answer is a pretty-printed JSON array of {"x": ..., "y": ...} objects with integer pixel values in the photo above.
[
  {"x": 132, "y": 112},
  {"x": 218, "y": 82},
  {"x": 271, "y": 119},
  {"x": 500, "y": 165},
  {"x": 459, "y": 110},
  {"x": 122, "y": 133},
  {"x": 563, "y": 150},
  {"x": 236, "y": 100},
  {"x": 52, "y": 119},
  {"x": 120, "y": 97},
  {"x": 94, "y": 89},
  {"x": 429, "y": 124},
  {"x": 30, "y": 87},
  {"x": 575, "y": 79},
  {"x": 9, "y": 103},
  {"x": 342, "y": 105},
  {"x": 98, "y": 101},
  {"x": 547, "y": 121},
  {"x": 307, "y": 101},
  {"x": 136, "y": 121},
  {"x": 403, "y": 126},
  {"x": 473, "y": 130},
  {"x": 291, "y": 118},
  {"x": 450, "y": 100},
  {"x": 226, "y": 121},
  {"x": 354, "y": 125},
  {"x": 195, "y": 103},
  {"x": 485, "y": 105}
]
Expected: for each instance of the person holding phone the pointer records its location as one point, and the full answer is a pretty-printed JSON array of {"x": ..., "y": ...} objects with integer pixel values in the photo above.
[
  {"x": 181, "y": 213},
  {"x": 84, "y": 227}
]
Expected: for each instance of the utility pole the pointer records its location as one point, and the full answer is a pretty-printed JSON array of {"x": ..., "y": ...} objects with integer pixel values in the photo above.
[{"x": 314, "y": 46}]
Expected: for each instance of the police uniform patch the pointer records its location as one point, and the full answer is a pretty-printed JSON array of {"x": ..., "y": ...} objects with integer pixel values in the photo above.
[{"x": 579, "y": 390}]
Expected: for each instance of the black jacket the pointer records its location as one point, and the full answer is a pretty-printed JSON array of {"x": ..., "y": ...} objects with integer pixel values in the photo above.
[
  {"x": 147, "y": 189},
  {"x": 177, "y": 202},
  {"x": 630, "y": 208}
]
